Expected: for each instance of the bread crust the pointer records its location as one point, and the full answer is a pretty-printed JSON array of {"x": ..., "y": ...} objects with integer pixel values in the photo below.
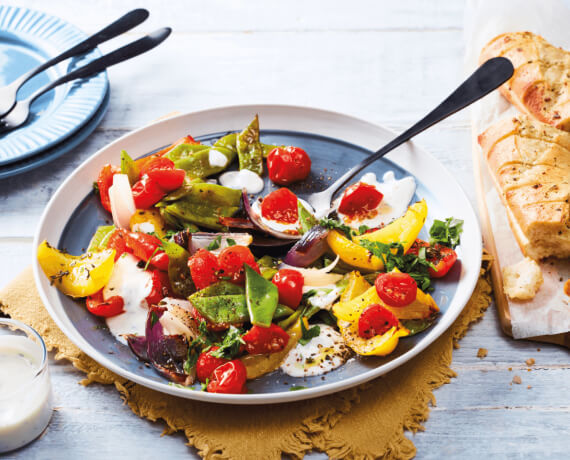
[
  {"x": 540, "y": 85},
  {"x": 529, "y": 162}
]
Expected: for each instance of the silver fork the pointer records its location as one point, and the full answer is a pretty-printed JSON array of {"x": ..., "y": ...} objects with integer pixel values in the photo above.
[{"x": 125, "y": 23}]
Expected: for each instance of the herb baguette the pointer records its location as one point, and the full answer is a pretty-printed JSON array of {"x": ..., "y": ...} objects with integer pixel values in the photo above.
[
  {"x": 530, "y": 165},
  {"x": 540, "y": 86}
]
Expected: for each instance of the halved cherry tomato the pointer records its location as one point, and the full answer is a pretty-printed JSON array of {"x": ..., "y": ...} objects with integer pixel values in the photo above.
[
  {"x": 168, "y": 179},
  {"x": 207, "y": 364},
  {"x": 160, "y": 287},
  {"x": 104, "y": 182},
  {"x": 359, "y": 199},
  {"x": 98, "y": 306},
  {"x": 261, "y": 339},
  {"x": 143, "y": 245},
  {"x": 160, "y": 260},
  {"x": 440, "y": 256},
  {"x": 280, "y": 206},
  {"x": 230, "y": 377},
  {"x": 157, "y": 163},
  {"x": 396, "y": 289},
  {"x": 375, "y": 320},
  {"x": 290, "y": 286},
  {"x": 146, "y": 193},
  {"x": 117, "y": 241},
  {"x": 204, "y": 268},
  {"x": 287, "y": 165},
  {"x": 231, "y": 261}
]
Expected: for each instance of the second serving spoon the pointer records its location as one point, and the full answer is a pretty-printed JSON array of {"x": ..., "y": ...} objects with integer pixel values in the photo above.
[{"x": 485, "y": 79}]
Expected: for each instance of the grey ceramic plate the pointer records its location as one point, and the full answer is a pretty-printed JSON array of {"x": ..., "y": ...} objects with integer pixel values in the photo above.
[{"x": 71, "y": 225}]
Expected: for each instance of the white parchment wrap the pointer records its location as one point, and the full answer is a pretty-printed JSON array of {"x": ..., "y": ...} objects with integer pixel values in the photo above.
[{"x": 549, "y": 312}]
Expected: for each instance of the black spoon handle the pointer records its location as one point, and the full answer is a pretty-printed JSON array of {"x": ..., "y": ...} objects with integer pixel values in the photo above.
[
  {"x": 123, "y": 24},
  {"x": 122, "y": 54},
  {"x": 485, "y": 79}
]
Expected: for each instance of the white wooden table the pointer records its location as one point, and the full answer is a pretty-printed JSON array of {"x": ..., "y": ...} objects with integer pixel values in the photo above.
[{"x": 388, "y": 62}]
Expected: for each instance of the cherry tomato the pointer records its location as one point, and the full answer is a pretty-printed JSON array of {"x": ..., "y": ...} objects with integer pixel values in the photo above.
[
  {"x": 207, "y": 363},
  {"x": 106, "y": 308},
  {"x": 375, "y": 320},
  {"x": 104, "y": 182},
  {"x": 287, "y": 165},
  {"x": 160, "y": 260},
  {"x": 117, "y": 241},
  {"x": 168, "y": 179},
  {"x": 440, "y": 256},
  {"x": 280, "y": 206},
  {"x": 270, "y": 339},
  {"x": 232, "y": 259},
  {"x": 396, "y": 289},
  {"x": 156, "y": 163},
  {"x": 290, "y": 286},
  {"x": 160, "y": 287},
  {"x": 143, "y": 245},
  {"x": 230, "y": 377},
  {"x": 359, "y": 199},
  {"x": 146, "y": 193},
  {"x": 204, "y": 268}
]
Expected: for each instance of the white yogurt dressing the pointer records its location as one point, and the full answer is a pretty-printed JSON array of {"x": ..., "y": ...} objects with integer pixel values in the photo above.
[
  {"x": 397, "y": 196},
  {"x": 217, "y": 159},
  {"x": 322, "y": 354},
  {"x": 144, "y": 227},
  {"x": 25, "y": 395},
  {"x": 133, "y": 284},
  {"x": 242, "y": 179}
]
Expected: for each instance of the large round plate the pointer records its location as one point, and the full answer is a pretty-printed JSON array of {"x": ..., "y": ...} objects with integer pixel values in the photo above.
[
  {"x": 28, "y": 38},
  {"x": 335, "y": 142}
]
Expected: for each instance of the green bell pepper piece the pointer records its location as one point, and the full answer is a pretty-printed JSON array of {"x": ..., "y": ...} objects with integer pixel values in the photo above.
[
  {"x": 227, "y": 142},
  {"x": 306, "y": 219},
  {"x": 249, "y": 150},
  {"x": 262, "y": 297},
  {"x": 178, "y": 271},
  {"x": 219, "y": 288},
  {"x": 195, "y": 159},
  {"x": 100, "y": 238},
  {"x": 129, "y": 167}
]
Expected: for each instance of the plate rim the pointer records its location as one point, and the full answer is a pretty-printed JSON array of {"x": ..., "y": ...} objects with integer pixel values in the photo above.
[
  {"x": 469, "y": 275},
  {"x": 24, "y": 23}
]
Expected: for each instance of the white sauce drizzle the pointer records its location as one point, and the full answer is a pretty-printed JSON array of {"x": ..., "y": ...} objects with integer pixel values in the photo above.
[
  {"x": 242, "y": 179},
  {"x": 217, "y": 159}
]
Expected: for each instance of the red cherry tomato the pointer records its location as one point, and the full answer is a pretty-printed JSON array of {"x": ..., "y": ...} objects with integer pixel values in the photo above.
[
  {"x": 230, "y": 377},
  {"x": 375, "y": 320},
  {"x": 207, "y": 364},
  {"x": 168, "y": 179},
  {"x": 160, "y": 260},
  {"x": 440, "y": 256},
  {"x": 104, "y": 182},
  {"x": 146, "y": 193},
  {"x": 290, "y": 286},
  {"x": 396, "y": 289},
  {"x": 359, "y": 199},
  {"x": 156, "y": 163},
  {"x": 280, "y": 206},
  {"x": 287, "y": 165},
  {"x": 260, "y": 339},
  {"x": 143, "y": 245},
  {"x": 204, "y": 267},
  {"x": 160, "y": 287},
  {"x": 106, "y": 308},
  {"x": 117, "y": 241},
  {"x": 232, "y": 259}
]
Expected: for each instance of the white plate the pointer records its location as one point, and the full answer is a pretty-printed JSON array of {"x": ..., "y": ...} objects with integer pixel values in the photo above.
[{"x": 427, "y": 170}]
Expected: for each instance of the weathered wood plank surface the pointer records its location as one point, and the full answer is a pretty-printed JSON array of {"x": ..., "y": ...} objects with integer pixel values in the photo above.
[{"x": 388, "y": 62}]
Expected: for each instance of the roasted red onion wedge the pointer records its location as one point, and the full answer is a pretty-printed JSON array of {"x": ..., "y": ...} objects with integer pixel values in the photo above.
[{"x": 309, "y": 248}]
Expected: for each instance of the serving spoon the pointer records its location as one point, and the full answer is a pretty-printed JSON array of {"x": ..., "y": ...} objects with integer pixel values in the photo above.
[{"x": 485, "y": 79}]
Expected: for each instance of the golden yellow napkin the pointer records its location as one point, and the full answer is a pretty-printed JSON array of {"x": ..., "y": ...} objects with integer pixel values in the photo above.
[{"x": 364, "y": 422}]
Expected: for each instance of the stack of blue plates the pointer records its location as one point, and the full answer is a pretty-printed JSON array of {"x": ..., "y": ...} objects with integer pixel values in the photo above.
[{"x": 60, "y": 119}]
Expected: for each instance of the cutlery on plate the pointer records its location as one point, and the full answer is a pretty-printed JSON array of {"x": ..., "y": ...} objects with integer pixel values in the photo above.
[
  {"x": 485, "y": 79},
  {"x": 21, "y": 110},
  {"x": 125, "y": 23}
]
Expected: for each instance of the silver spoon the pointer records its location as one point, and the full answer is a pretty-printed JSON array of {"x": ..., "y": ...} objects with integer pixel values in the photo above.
[
  {"x": 485, "y": 79},
  {"x": 125, "y": 23}
]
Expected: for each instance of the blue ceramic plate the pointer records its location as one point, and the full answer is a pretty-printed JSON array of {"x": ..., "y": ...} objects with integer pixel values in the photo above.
[
  {"x": 334, "y": 142},
  {"x": 28, "y": 38}
]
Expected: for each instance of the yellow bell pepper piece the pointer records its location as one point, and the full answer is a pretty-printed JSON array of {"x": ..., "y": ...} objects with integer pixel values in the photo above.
[
  {"x": 356, "y": 285},
  {"x": 148, "y": 216},
  {"x": 379, "y": 345},
  {"x": 422, "y": 307},
  {"x": 404, "y": 230},
  {"x": 76, "y": 276},
  {"x": 258, "y": 365},
  {"x": 352, "y": 253}
]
